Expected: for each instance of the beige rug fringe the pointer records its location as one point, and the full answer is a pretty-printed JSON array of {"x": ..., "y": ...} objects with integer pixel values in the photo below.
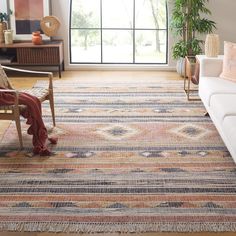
[{"x": 118, "y": 227}]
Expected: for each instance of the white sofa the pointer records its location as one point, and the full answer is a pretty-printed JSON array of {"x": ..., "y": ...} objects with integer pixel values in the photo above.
[{"x": 219, "y": 97}]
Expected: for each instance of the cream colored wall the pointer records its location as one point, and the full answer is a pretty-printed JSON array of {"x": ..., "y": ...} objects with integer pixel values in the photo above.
[
  {"x": 223, "y": 13},
  {"x": 61, "y": 9}
]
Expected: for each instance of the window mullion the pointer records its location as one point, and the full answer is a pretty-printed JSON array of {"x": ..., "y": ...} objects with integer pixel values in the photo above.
[
  {"x": 134, "y": 32},
  {"x": 114, "y": 45},
  {"x": 101, "y": 30}
]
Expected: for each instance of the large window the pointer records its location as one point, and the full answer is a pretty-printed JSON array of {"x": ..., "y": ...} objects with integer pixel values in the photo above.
[{"x": 118, "y": 31}]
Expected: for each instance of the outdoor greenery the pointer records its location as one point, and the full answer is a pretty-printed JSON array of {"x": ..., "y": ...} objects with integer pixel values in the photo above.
[
  {"x": 4, "y": 16},
  {"x": 158, "y": 16},
  {"x": 188, "y": 22},
  {"x": 84, "y": 20},
  {"x": 105, "y": 31}
]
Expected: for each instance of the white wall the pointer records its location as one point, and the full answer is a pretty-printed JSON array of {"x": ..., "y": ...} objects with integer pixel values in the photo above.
[
  {"x": 61, "y": 9},
  {"x": 224, "y": 14}
]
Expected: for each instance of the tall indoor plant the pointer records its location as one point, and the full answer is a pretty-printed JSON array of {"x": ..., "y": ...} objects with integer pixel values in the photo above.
[{"x": 188, "y": 22}]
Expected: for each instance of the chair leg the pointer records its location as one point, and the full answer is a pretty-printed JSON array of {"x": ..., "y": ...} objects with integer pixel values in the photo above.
[
  {"x": 18, "y": 127},
  {"x": 51, "y": 101}
]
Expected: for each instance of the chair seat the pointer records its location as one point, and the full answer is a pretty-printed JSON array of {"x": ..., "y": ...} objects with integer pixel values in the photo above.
[
  {"x": 13, "y": 112},
  {"x": 40, "y": 93}
]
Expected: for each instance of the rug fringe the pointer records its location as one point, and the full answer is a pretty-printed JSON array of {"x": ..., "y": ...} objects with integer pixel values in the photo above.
[{"x": 116, "y": 227}]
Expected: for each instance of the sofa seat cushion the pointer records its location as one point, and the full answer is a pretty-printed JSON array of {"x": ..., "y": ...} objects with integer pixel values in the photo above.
[
  {"x": 229, "y": 127},
  {"x": 223, "y": 105},
  {"x": 214, "y": 85}
]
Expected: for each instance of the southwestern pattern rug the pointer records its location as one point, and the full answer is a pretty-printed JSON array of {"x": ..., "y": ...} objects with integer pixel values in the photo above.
[{"x": 130, "y": 158}]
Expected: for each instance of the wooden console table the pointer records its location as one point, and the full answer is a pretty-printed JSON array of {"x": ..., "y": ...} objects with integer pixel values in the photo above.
[{"x": 25, "y": 53}]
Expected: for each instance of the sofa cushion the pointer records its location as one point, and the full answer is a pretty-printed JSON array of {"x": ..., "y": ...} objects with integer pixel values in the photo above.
[
  {"x": 214, "y": 85},
  {"x": 229, "y": 62},
  {"x": 229, "y": 128},
  {"x": 223, "y": 105}
]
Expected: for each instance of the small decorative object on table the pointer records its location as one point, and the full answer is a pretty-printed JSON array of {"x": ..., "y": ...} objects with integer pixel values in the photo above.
[
  {"x": 8, "y": 36},
  {"x": 37, "y": 38},
  {"x": 3, "y": 26},
  {"x": 50, "y": 25},
  {"x": 212, "y": 45}
]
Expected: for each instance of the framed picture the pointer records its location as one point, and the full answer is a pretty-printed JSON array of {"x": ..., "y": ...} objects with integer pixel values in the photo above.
[{"x": 26, "y": 16}]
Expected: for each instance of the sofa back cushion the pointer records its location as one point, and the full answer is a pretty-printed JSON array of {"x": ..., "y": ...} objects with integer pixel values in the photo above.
[{"x": 229, "y": 62}]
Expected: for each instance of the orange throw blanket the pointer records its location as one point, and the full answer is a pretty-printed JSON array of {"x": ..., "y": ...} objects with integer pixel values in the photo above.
[{"x": 33, "y": 114}]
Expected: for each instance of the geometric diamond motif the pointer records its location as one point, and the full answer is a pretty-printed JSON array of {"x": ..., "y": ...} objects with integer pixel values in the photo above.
[
  {"x": 117, "y": 132},
  {"x": 153, "y": 154},
  {"x": 191, "y": 131}
]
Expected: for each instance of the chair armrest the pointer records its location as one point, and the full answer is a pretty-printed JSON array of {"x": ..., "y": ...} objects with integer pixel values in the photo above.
[
  {"x": 49, "y": 74},
  {"x": 211, "y": 67},
  {"x": 9, "y": 90},
  {"x": 27, "y": 71}
]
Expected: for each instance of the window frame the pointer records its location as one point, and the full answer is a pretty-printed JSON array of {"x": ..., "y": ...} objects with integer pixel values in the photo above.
[{"x": 131, "y": 29}]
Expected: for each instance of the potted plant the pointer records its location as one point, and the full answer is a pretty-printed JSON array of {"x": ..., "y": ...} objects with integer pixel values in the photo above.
[
  {"x": 188, "y": 22},
  {"x": 4, "y": 17}
]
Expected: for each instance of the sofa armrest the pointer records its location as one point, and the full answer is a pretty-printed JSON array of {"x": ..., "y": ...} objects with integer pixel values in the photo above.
[{"x": 211, "y": 67}]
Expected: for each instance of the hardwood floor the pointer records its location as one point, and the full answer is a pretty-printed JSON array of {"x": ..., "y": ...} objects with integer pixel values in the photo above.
[{"x": 101, "y": 77}]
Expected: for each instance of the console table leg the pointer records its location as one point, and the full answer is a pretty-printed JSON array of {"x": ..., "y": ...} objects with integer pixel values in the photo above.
[
  {"x": 63, "y": 65},
  {"x": 59, "y": 71}
]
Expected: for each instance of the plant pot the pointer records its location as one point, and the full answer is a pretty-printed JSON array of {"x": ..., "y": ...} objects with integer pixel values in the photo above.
[
  {"x": 180, "y": 66},
  {"x": 3, "y": 26}
]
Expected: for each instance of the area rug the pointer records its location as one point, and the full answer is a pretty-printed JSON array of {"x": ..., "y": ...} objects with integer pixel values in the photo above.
[{"x": 131, "y": 157}]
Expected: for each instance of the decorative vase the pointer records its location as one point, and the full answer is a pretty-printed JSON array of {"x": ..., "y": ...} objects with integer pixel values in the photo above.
[
  {"x": 8, "y": 36},
  {"x": 3, "y": 26},
  {"x": 37, "y": 38},
  {"x": 212, "y": 45}
]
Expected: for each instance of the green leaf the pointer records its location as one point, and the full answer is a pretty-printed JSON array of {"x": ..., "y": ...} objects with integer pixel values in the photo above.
[{"x": 186, "y": 22}]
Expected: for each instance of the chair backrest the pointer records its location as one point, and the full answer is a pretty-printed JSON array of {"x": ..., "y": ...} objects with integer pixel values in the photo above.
[{"x": 4, "y": 82}]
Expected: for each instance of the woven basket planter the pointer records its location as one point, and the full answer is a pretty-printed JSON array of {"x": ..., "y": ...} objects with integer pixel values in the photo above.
[{"x": 3, "y": 26}]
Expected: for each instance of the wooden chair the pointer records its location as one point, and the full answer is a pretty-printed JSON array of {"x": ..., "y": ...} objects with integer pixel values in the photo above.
[{"x": 12, "y": 112}]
